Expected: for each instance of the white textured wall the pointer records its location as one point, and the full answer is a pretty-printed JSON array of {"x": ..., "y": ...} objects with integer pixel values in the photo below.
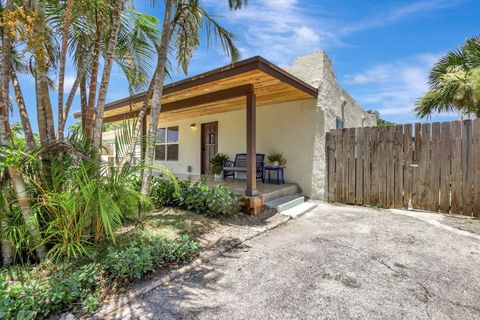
[{"x": 316, "y": 69}]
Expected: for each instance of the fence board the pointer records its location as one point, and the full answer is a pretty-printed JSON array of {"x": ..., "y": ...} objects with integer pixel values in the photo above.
[
  {"x": 374, "y": 181},
  {"x": 416, "y": 168},
  {"x": 367, "y": 165},
  {"x": 351, "y": 166},
  {"x": 435, "y": 167},
  {"x": 476, "y": 167},
  {"x": 359, "y": 135},
  {"x": 398, "y": 167},
  {"x": 407, "y": 168},
  {"x": 456, "y": 166},
  {"x": 338, "y": 165},
  {"x": 345, "y": 165},
  {"x": 466, "y": 167},
  {"x": 445, "y": 175},
  {"x": 331, "y": 164},
  {"x": 382, "y": 165},
  {"x": 390, "y": 167}
]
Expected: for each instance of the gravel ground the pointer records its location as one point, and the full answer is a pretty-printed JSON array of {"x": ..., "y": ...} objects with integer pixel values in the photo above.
[{"x": 336, "y": 262}]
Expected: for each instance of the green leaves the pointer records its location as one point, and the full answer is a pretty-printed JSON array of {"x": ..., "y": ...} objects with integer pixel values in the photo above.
[
  {"x": 454, "y": 82},
  {"x": 199, "y": 197}
]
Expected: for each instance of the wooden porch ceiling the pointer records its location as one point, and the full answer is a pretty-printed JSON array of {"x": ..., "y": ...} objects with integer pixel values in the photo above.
[{"x": 207, "y": 93}]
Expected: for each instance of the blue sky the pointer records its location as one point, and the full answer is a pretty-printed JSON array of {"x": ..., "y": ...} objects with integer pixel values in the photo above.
[{"x": 381, "y": 50}]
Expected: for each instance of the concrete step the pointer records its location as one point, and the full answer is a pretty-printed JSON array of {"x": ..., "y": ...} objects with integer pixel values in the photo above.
[
  {"x": 299, "y": 210},
  {"x": 285, "y": 190},
  {"x": 284, "y": 203}
]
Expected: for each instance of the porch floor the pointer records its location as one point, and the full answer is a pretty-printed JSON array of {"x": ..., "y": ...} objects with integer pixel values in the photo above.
[{"x": 238, "y": 186}]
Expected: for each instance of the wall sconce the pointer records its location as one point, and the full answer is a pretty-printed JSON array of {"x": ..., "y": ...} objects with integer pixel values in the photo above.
[{"x": 192, "y": 126}]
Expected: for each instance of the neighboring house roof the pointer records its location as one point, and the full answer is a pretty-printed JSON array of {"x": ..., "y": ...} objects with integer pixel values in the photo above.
[{"x": 219, "y": 90}]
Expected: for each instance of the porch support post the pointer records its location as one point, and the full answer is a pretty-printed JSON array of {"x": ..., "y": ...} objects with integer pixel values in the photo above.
[
  {"x": 143, "y": 140},
  {"x": 251, "y": 145}
]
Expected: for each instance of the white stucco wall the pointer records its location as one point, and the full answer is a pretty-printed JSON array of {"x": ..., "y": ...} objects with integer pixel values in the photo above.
[
  {"x": 285, "y": 127},
  {"x": 333, "y": 102}
]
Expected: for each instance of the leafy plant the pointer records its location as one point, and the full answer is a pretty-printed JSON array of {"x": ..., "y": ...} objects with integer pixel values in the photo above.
[
  {"x": 276, "y": 158},
  {"x": 199, "y": 197},
  {"x": 218, "y": 162}
]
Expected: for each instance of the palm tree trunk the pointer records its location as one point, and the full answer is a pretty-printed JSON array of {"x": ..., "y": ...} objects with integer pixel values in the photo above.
[
  {"x": 43, "y": 99},
  {"x": 138, "y": 126},
  {"x": 157, "y": 96},
  {"x": 7, "y": 251},
  {"x": 83, "y": 101},
  {"x": 63, "y": 58},
  {"x": 6, "y": 48},
  {"x": 90, "y": 112},
  {"x": 68, "y": 105},
  {"x": 29, "y": 219},
  {"x": 22, "y": 110},
  {"x": 102, "y": 95}
]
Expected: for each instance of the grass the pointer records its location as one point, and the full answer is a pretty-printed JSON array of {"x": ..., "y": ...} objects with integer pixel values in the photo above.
[{"x": 171, "y": 223}]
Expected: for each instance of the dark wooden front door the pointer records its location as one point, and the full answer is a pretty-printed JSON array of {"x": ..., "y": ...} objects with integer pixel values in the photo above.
[{"x": 209, "y": 145}]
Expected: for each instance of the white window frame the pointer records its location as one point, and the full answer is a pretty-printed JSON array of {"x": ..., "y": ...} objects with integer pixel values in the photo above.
[{"x": 166, "y": 143}]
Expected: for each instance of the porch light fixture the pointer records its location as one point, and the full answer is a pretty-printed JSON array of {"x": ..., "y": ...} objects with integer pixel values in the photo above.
[{"x": 192, "y": 126}]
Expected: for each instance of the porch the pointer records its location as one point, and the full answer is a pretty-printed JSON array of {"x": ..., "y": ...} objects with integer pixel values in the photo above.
[{"x": 267, "y": 190}]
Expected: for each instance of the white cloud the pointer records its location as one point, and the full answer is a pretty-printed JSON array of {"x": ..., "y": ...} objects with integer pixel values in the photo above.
[
  {"x": 393, "y": 88},
  {"x": 68, "y": 84},
  {"x": 280, "y": 30}
]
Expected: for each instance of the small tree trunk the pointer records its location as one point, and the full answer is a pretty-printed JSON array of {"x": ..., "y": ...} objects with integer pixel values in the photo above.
[
  {"x": 102, "y": 95},
  {"x": 157, "y": 97},
  {"x": 68, "y": 105},
  {"x": 63, "y": 58},
  {"x": 29, "y": 218},
  {"x": 7, "y": 251},
  {"x": 90, "y": 113},
  {"x": 22, "y": 110},
  {"x": 44, "y": 106},
  {"x": 138, "y": 126},
  {"x": 83, "y": 101}
]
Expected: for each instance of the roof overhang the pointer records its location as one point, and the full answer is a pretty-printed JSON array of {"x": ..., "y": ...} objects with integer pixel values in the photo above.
[{"x": 219, "y": 90}]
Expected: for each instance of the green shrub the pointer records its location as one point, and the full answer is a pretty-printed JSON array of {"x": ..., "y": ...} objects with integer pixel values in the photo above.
[
  {"x": 26, "y": 294},
  {"x": 138, "y": 257},
  {"x": 198, "y": 197},
  {"x": 29, "y": 297}
]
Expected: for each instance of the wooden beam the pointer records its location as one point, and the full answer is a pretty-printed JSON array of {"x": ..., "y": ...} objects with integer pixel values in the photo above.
[
  {"x": 212, "y": 97},
  {"x": 251, "y": 147}
]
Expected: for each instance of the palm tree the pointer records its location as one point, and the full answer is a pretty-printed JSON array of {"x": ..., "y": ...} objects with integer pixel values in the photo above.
[
  {"x": 182, "y": 24},
  {"x": 454, "y": 82}
]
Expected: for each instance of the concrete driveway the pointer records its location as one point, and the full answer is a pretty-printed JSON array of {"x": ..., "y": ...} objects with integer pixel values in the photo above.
[{"x": 336, "y": 262}]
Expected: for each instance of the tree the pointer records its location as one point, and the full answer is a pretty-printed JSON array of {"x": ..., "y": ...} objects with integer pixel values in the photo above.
[
  {"x": 454, "y": 82},
  {"x": 182, "y": 25}
]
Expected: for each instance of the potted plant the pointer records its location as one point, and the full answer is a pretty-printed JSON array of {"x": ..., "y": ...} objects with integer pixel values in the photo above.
[
  {"x": 276, "y": 159},
  {"x": 217, "y": 163}
]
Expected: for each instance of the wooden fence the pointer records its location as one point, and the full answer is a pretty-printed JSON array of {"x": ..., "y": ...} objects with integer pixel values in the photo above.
[{"x": 430, "y": 166}]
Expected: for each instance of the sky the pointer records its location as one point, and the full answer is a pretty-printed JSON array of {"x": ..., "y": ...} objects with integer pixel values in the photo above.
[{"x": 382, "y": 51}]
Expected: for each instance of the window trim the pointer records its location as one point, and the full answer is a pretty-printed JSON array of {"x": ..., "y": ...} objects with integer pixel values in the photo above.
[{"x": 166, "y": 143}]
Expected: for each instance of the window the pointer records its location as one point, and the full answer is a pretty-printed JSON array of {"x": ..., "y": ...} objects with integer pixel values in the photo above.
[
  {"x": 166, "y": 148},
  {"x": 340, "y": 124}
]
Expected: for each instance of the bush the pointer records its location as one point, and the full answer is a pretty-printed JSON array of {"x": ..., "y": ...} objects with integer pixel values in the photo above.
[
  {"x": 28, "y": 297},
  {"x": 27, "y": 294},
  {"x": 198, "y": 197},
  {"x": 138, "y": 257}
]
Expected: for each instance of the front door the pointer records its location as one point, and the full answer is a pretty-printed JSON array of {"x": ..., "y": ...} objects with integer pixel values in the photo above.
[{"x": 209, "y": 145}]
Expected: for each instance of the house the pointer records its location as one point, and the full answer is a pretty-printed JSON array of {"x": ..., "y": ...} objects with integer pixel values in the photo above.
[{"x": 252, "y": 106}]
